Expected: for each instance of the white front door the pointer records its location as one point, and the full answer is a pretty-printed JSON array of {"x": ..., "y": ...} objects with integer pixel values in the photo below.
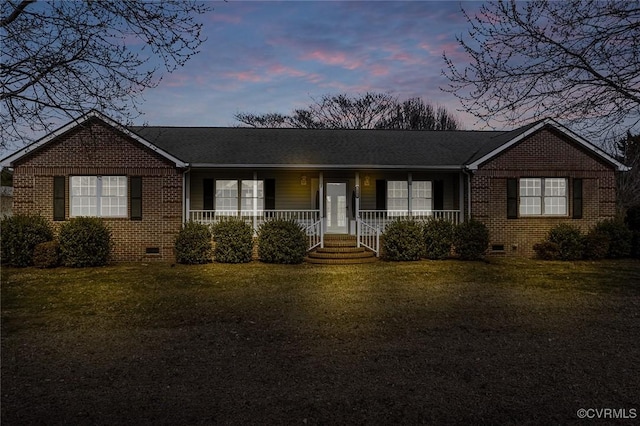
[{"x": 336, "y": 208}]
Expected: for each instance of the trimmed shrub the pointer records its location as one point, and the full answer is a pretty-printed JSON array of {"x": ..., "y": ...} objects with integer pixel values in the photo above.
[
  {"x": 20, "y": 235},
  {"x": 569, "y": 241},
  {"x": 471, "y": 240},
  {"x": 46, "y": 255},
  {"x": 85, "y": 241},
  {"x": 282, "y": 241},
  {"x": 546, "y": 250},
  {"x": 193, "y": 244},
  {"x": 596, "y": 245},
  {"x": 438, "y": 237},
  {"x": 403, "y": 240},
  {"x": 620, "y": 237},
  {"x": 234, "y": 241}
]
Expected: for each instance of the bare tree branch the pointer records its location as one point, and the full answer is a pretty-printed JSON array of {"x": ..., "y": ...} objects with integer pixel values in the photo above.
[
  {"x": 576, "y": 60},
  {"x": 368, "y": 111},
  {"x": 64, "y": 58}
]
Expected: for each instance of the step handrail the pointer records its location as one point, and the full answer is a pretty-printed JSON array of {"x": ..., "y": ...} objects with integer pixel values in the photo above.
[{"x": 368, "y": 236}]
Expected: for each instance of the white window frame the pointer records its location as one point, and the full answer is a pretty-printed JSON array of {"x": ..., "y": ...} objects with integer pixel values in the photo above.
[
  {"x": 98, "y": 196},
  {"x": 543, "y": 197},
  {"x": 246, "y": 199},
  {"x": 398, "y": 196}
]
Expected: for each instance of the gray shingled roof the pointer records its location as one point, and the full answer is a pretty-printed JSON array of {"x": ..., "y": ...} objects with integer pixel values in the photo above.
[{"x": 219, "y": 147}]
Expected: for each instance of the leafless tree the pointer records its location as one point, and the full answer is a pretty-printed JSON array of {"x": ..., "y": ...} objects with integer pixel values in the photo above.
[
  {"x": 574, "y": 60},
  {"x": 62, "y": 58},
  {"x": 368, "y": 111},
  {"x": 628, "y": 183}
]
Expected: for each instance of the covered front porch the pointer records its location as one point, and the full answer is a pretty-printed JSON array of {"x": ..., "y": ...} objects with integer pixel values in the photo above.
[{"x": 356, "y": 202}]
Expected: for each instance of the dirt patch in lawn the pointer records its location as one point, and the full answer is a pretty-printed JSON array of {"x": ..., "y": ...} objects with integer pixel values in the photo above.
[{"x": 509, "y": 341}]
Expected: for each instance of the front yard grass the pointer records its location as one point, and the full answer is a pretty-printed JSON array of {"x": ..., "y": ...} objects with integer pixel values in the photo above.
[{"x": 501, "y": 342}]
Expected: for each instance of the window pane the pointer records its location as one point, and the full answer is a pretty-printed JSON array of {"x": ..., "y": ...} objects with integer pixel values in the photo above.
[
  {"x": 252, "y": 196},
  {"x": 530, "y": 205},
  {"x": 555, "y": 187},
  {"x": 227, "y": 195},
  {"x": 530, "y": 187},
  {"x": 397, "y": 195},
  {"x": 555, "y": 205},
  {"x": 421, "y": 195}
]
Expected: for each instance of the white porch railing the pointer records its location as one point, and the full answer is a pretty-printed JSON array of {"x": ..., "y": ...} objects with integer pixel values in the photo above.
[
  {"x": 380, "y": 218},
  {"x": 309, "y": 220},
  {"x": 368, "y": 236}
]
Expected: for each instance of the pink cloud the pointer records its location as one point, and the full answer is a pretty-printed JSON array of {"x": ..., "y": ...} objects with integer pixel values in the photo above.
[
  {"x": 333, "y": 58},
  {"x": 246, "y": 76},
  {"x": 228, "y": 19}
]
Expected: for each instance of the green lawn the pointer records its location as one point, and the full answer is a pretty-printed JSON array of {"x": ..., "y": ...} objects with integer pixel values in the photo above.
[{"x": 507, "y": 341}]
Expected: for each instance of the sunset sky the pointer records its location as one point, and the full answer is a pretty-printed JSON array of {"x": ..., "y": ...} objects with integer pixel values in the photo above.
[{"x": 276, "y": 56}]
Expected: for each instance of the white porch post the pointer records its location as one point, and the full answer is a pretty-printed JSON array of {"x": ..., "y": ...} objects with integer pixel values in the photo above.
[
  {"x": 255, "y": 201},
  {"x": 461, "y": 198},
  {"x": 321, "y": 207},
  {"x": 357, "y": 208},
  {"x": 186, "y": 196}
]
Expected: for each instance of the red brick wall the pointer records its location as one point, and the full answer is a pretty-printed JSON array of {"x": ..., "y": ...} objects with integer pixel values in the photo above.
[
  {"x": 98, "y": 149},
  {"x": 546, "y": 153}
]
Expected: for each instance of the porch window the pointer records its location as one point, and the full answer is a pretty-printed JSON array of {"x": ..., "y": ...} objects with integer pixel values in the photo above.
[
  {"x": 246, "y": 196},
  {"x": 421, "y": 195},
  {"x": 252, "y": 196},
  {"x": 227, "y": 195},
  {"x": 98, "y": 196},
  {"x": 397, "y": 196},
  {"x": 543, "y": 196}
]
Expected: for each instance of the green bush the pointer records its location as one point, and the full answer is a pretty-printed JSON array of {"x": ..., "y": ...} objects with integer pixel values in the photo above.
[
  {"x": 403, "y": 240},
  {"x": 46, "y": 255},
  {"x": 234, "y": 241},
  {"x": 546, "y": 250},
  {"x": 471, "y": 240},
  {"x": 84, "y": 241},
  {"x": 569, "y": 241},
  {"x": 438, "y": 237},
  {"x": 596, "y": 245},
  {"x": 193, "y": 244},
  {"x": 19, "y": 237},
  {"x": 282, "y": 241},
  {"x": 620, "y": 237}
]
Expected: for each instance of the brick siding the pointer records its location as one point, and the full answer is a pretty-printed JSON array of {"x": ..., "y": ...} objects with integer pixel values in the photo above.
[
  {"x": 546, "y": 153},
  {"x": 95, "y": 148}
]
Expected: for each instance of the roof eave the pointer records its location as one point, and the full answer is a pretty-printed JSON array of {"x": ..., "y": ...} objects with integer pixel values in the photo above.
[
  {"x": 618, "y": 165},
  {"x": 326, "y": 166},
  {"x": 9, "y": 160}
]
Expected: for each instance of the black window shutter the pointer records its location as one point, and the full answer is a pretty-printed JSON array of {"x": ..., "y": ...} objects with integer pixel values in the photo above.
[
  {"x": 577, "y": 198},
  {"x": 269, "y": 194},
  {"x": 207, "y": 194},
  {"x": 135, "y": 191},
  {"x": 438, "y": 195},
  {"x": 512, "y": 198},
  {"x": 59, "y": 196},
  {"x": 381, "y": 194}
]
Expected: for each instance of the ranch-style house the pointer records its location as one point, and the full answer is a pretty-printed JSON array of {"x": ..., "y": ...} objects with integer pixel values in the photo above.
[{"x": 147, "y": 181}]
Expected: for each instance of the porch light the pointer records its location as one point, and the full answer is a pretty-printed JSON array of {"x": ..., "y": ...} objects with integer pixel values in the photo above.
[
  {"x": 303, "y": 180},
  {"x": 367, "y": 181}
]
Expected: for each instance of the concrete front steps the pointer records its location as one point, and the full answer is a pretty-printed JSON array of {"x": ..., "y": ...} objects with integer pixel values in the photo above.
[{"x": 340, "y": 250}]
